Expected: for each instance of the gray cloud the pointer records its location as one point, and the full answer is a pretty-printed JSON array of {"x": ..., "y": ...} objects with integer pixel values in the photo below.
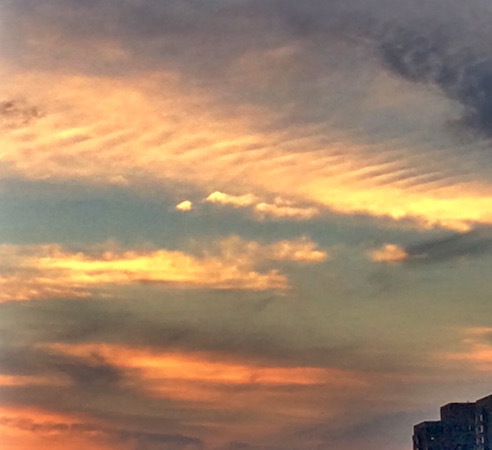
[
  {"x": 159, "y": 441},
  {"x": 16, "y": 113},
  {"x": 234, "y": 329},
  {"x": 430, "y": 43},
  {"x": 28, "y": 360},
  {"x": 460, "y": 72},
  {"x": 474, "y": 243},
  {"x": 239, "y": 445}
]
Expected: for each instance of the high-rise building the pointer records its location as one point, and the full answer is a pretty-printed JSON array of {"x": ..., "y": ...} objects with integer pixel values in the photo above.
[
  {"x": 458, "y": 420},
  {"x": 483, "y": 423},
  {"x": 428, "y": 436},
  {"x": 463, "y": 426}
]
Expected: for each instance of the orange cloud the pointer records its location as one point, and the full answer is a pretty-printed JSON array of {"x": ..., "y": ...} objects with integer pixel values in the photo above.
[
  {"x": 219, "y": 383},
  {"x": 194, "y": 367},
  {"x": 29, "y": 428},
  {"x": 389, "y": 253},
  {"x": 263, "y": 398},
  {"x": 477, "y": 352},
  {"x": 31, "y": 380}
]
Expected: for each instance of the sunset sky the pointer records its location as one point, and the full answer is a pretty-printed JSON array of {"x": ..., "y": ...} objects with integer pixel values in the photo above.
[{"x": 242, "y": 224}]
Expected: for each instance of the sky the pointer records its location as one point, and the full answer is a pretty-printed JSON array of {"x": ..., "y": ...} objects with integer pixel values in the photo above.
[{"x": 242, "y": 224}]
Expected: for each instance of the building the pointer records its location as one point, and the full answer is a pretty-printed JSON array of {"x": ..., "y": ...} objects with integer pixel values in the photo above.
[
  {"x": 458, "y": 420},
  {"x": 463, "y": 426},
  {"x": 483, "y": 423},
  {"x": 428, "y": 436}
]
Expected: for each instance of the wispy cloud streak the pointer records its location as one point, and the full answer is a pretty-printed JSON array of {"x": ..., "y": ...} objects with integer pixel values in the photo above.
[{"x": 50, "y": 271}]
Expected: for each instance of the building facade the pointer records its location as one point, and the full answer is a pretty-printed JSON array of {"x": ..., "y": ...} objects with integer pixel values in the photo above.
[
  {"x": 463, "y": 426},
  {"x": 484, "y": 423}
]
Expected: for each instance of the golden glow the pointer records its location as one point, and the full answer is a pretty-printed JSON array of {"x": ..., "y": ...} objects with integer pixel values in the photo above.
[
  {"x": 156, "y": 136},
  {"x": 214, "y": 382},
  {"x": 447, "y": 207},
  {"x": 31, "y": 380},
  {"x": 45, "y": 271},
  {"x": 40, "y": 271},
  {"x": 477, "y": 353},
  {"x": 478, "y": 357},
  {"x": 31, "y": 428}
]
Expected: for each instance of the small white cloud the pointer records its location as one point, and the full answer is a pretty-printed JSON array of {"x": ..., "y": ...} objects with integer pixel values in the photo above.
[
  {"x": 238, "y": 201},
  {"x": 389, "y": 253},
  {"x": 185, "y": 206},
  {"x": 281, "y": 208},
  {"x": 300, "y": 250}
]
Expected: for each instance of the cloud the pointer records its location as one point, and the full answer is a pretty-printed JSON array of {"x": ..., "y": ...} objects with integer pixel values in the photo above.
[
  {"x": 239, "y": 445},
  {"x": 254, "y": 326},
  {"x": 285, "y": 209},
  {"x": 328, "y": 127},
  {"x": 389, "y": 253},
  {"x": 471, "y": 244},
  {"x": 89, "y": 374},
  {"x": 40, "y": 368},
  {"x": 184, "y": 206},
  {"x": 238, "y": 201},
  {"x": 50, "y": 271},
  {"x": 183, "y": 389},
  {"x": 280, "y": 208},
  {"x": 301, "y": 250},
  {"x": 158, "y": 441},
  {"x": 14, "y": 113},
  {"x": 29, "y": 380},
  {"x": 475, "y": 351},
  {"x": 180, "y": 365},
  {"x": 21, "y": 425},
  {"x": 463, "y": 245},
  {"x": 78, "y": 139},
  {"x": 433, "y": 57},
  {"x": 156, "y": 369},
  {"x": 47, "y": 271}
]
